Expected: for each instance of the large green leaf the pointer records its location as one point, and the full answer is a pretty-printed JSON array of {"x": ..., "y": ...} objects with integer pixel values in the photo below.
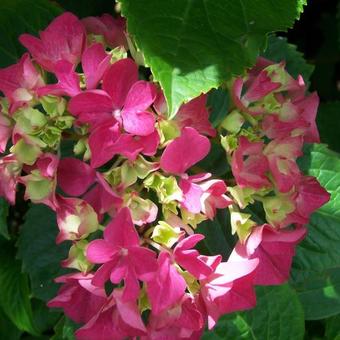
[
  {"x": 316, "y": 266},
  {"x": 193, "y": 46},
  {"x": 319, "y": 294},
  {"x": 14, "y": 289},
  {"x": 21, "y": 16},
  {"x": 277, "y": 316},
  {"x": 85, "y": 8},
  {"x": 3, "y": 218},
  {"x": 40, "y": 255},
  {"x": 333, "y": 328},
  {"x": 279, "y": 49},
  {"x": 7, "y": 328}
]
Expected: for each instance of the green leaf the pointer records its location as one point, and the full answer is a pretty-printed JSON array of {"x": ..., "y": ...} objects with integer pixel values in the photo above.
[
  {"x": 21, "y": 16},
  {"x": 333, "y": 328},
  {"x": 279, "y": 49},
  {"x": 320, "y": 250},
  {"x": 315, "y": 270},
  {"x": 14, "y": 289},
  {"x": 278, "y": 315},
  {"x": 39, "y": 253},
  {"x": 193, "y": 46},
  {"x": 3, "y": 218},
  {"x": 328, "y": 121},
  {"x": 319, "y": 294},
  {"x": 44, "y": 317},
  {"x": 218, "y": 238},
  {"x": 65, "y": 329},
  {"x": 7, "y": 328},
  {"x": 218, "y": 102}
]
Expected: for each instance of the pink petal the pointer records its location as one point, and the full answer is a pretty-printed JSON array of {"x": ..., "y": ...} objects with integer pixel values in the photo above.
[
  {"x": 68, "y": 81},
  {"x": 192, "y": 196},
  {"x": 75, "y": 176},
  {"x": 63, "y": 39},
  {"x": 100, "y": 251},
  {"x": 167, "y": 287},
  {"x": 140, "y": 97},
  {"x": 184, "y": 151},
  {"x": 138, "y": 123},
  {"x": 95, "y": 61},
  {"x": 92, "y": 106},
  {"x": 121, "y": 231},
  {"x": 119, "y": 79}
]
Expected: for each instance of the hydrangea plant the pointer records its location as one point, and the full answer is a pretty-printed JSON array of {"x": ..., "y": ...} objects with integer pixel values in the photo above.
[{"x": 133, "y": 188}]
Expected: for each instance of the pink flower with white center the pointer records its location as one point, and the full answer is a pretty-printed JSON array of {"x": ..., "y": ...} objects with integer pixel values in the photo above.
[
  {"x": 76, "y": 219},
  {"x": 64, "y": 39},
  {"x": 19, "y": 83},
  {"x": 123, "y": 97},
  {"x": 228, "y": 289},
  {"x": 95, "y": 62},
  {"x": 249, "y": 165},
  {"x": 274, "y": 249},
  {"x": 10, "y": 170},
  {"x": 166, "y": 287},
  {"x": 192, "y": 114},
  {"x": 77, "y": 296},
  {"x": 184, "y": 151},
  {"x": 112, "y": 29},
  {"x": 68, "y": 81},
  {"x": 282, "y": 155},
  {"x": 121, "y": 256},
  {"x": 107, "y": 140},
  {"x": 182, "y": 321},
  {"x": 191, "y": 260},
  {"x": 117, "y": 319}
]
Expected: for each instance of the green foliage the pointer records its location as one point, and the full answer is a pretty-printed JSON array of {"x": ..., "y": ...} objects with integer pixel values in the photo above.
[
  {"x": 278, "y": 315},
  {"x": 14, "y": 290},
  {"x": 22, "y": 16},
  {"x": 41, "y": 261},
  {"x": 3, "y": 218},
  {"x": 193, "y": 46}
]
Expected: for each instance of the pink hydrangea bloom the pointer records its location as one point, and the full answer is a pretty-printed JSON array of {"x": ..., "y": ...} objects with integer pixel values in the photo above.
[
  {"x": 68, "y": 81},
  {"x": 95, "y": 62},
  {"x": 249, "y": 165},
  {"x": 77, "y": 296},
  {"x": 192, "y": 114},
  {"x": 64, "y": 39},
  {"x": 19, "y": 82},
  {"x": 274, "y": 249},
  {"x": 282, "y": 155},
  {"x": 123, "y": 97},
  {"x": 75, "y": 176},
  {"x": 183, "y": 321},
  {"x": 166, "y": 287},
  {"x": 121, "y": 256},
  {"x": 117, "y": 319},
  {"x": 76, "y": 219},
  {"x": 10, "y": 170},
  {"x": 112, "y": 29},
  {"x": 191, "y": 260},
  {"x": 184, "y": 151},
  {"x": 228, "y": 289}
]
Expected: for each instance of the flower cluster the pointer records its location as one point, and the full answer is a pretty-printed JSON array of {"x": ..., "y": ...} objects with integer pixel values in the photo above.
[{"x": 86, "y": 136}]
